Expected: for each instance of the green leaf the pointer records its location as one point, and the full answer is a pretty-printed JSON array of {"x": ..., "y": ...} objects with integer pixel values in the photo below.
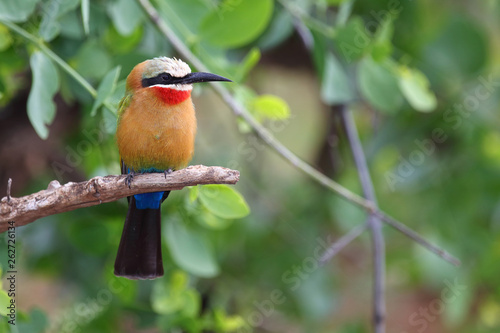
[
  {"x": 92, "y": 60},
  {"x": 5, "y": 38},
  {"x": 41, "y": 107},
  {"x": 353, "y": 40},
  {"x": 382, "y": 46},
  {"x": 193, "y": 193},
  {"x": 236, "y": 23},
  {"x": 37, "y": 322},
  {"x": 379, "y": 86},
  {"x": 52, "y": 11},
  {"x": 85, "y": 7},
  {"x": 270, "y": 107},
  {"x": 223, "y": 201},
  {"x": 126, "y": 15},
  {"x": 280, "y": 28},
  {"x": 122, "y": 44},
  {"x": 168, "y": 298},
  {"x": 190, "y": 250},
  {"x": 415, "y": 87},
  {"x": 4, "y": 303},
  {"x": 251, "y": 59},
  {"x": 106, "y": 88},
  {"x": 17, "y": 10},
  {"x": 335, "y": 88},
  {"x": 208, "y": 220}
]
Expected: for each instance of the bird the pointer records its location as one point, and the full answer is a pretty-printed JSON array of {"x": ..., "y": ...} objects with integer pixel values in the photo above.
[{"x": 156, "y": 128}]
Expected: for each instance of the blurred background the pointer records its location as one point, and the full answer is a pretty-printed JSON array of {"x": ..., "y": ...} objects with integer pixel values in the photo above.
[{"x": 422, "y": 79}]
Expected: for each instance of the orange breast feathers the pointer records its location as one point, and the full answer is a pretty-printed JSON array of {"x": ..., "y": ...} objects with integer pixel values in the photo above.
[{"x": 153, "y": 134}]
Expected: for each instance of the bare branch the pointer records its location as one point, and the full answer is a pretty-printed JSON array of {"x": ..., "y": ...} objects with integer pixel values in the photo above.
[
  {"x": 374, "y": 222},
  {"x": 62, "y": 198},
  {"x": 342, "y": 242}
]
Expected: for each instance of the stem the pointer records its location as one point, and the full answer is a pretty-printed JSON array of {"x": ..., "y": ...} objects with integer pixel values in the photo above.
[
  {"x": 54, "y": 57},
  {"x": 342, "y": 242},
  {"x": 374, "y": 222}
]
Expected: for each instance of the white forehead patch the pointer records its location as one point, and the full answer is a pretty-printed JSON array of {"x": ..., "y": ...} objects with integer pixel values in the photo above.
[{"x": 174, "y": 67}]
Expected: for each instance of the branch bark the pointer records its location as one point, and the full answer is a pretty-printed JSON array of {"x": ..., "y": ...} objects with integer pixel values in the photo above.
[{"x": 59, "y": 198}]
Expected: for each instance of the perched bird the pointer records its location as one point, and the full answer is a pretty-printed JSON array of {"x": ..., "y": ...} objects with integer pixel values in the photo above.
[{"x": 155, "y": 133}]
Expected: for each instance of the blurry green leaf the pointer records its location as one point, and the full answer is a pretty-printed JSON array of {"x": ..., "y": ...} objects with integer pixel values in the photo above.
[
  {"x": 209, "y": 220},
  {"x": 270, "y": 107},
  {"x": 193, "y": 193},
  {"x": 36, "y": 323},
  {"x": 236, "y": 23},
  {"x": 92, "y": 61},
  {"x": 5, "y": 38},
  {"x": 190, "y": 250},
  {"x": 17, "y": 10},
  {"x": 224, "y": 323},
  {"x": 223, "y": 201},
  {"x": 169, "y": 297},
  {"x": 4, "y": 303},
  {"x": 280, "y": 28},
  {"x": 379, "y": 86},
  {"x": 192, "y": 302},
  {"x": 335, "y": 2},
  {"x": 41, "y": 107},
  {"x": 126, "y": 15},
  {"x": 120, "y": 44},
  {"x": 105, "y": 89},
  {"x": 460, "y": 49},
  {"x": 415, "y": 87},
  {"x": 51, "y": 11},
  {"x": 335, "y": 88},
  {"x": 352, "y": 40},
  {"x": 185, "y": 14},
  {"x": 73, "y": 28},
  {"x": 85, "y": 7},
  {"x": 382, "y": 46},
  {"x": 89, "y": 237},
  {"x": 458, "y": 307},
  {"x": 249, "y": 62}
]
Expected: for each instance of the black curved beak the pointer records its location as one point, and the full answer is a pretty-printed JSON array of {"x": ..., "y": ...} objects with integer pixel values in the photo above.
[{"x": 201, "y": 77}]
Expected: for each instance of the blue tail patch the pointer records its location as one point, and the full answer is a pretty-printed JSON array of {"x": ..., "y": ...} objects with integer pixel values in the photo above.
[{"x": 148, "y": 200}]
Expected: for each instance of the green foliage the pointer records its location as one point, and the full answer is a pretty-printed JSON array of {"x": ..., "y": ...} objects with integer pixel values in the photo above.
[
  {"x": 41, "y": 108},
  {"x": 191, "y": 250},
  {"x": 236, "y": 22}
]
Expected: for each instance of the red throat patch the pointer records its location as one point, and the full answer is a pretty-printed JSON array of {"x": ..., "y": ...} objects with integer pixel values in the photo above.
[{"x": 171, "y": 96}]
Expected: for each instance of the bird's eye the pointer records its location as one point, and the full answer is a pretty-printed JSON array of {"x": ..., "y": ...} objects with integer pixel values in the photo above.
[{"x": 166, "y": 77}]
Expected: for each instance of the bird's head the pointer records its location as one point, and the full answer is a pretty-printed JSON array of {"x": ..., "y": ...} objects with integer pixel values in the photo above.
[{"x": 168, "y": 78}]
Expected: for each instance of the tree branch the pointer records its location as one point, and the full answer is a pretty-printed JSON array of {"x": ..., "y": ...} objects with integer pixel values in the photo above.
[
  {"x": 374, "y": 222},
  {"x": 57, "y": 199}
]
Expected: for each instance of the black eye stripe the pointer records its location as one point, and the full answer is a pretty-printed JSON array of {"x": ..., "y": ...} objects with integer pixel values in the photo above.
[{"x": 163, "y": 78}]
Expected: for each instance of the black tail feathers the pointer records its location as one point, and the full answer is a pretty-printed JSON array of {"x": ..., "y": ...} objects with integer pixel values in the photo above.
[{"x": 139, "y": 253}]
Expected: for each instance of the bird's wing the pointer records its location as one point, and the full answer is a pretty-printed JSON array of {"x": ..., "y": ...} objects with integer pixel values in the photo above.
[{"x": 124, "y": 103}]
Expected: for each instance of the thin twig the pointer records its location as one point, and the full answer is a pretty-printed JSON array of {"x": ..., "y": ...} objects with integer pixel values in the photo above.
[
  {"x": 342, "y": 242},
  {"x": 379, "y": 310},
  {"x": 57, "y": 199},
  {"x": 9, "y": 186},
  {"x": 270, "y": 140}
]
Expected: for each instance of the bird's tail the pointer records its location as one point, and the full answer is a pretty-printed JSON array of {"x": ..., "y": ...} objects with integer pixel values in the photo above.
[{"x": 139, "y": 253}]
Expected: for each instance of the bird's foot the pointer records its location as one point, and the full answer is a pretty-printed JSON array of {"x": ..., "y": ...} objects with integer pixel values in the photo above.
[
  {"x": 167, "y": 172},
  {"x": 129, "y": 178}
]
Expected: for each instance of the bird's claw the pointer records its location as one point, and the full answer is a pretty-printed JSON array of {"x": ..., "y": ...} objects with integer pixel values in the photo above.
[
  {"x": 129, "y": 178},
  {"x": 167, "y": 172}
]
